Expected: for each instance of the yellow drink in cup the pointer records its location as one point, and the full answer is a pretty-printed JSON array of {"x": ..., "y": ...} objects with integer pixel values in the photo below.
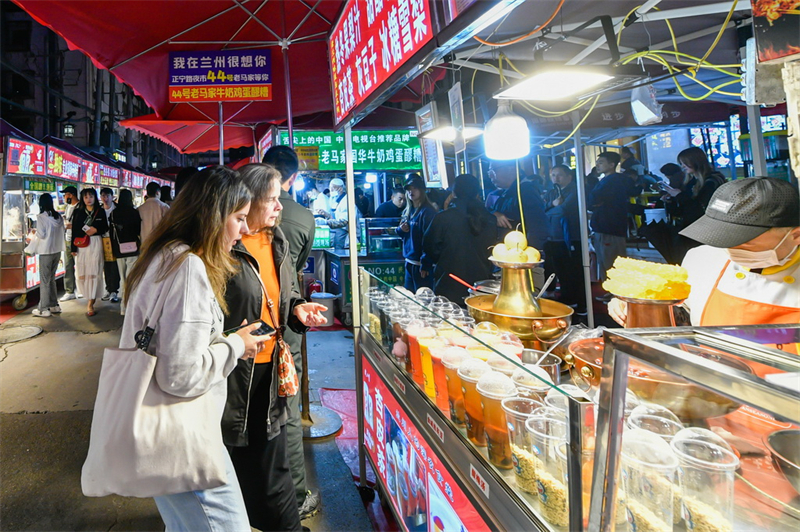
[{"x": 425, "y": 346}]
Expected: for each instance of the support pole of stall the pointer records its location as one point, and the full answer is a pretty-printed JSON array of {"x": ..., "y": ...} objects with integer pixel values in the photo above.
[
  {"x": 221, "y": 138},
  {"x": 285, "y": 51},
  {"x": 731, "y": 154},
  {"x": 757, "y": 141},
  {"x": 354, "y": 287},
  {"x": 584, "y": 219}
]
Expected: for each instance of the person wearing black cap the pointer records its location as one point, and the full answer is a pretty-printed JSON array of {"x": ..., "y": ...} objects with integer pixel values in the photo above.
[
  {"x": 747, "y": 270},
  {"x": 70, "y": 194},
  {"x": 415, "y": 221}
]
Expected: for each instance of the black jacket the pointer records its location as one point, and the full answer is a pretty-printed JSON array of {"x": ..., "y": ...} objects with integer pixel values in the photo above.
[
  {"x": 563, "y": 221},
  {"x": 79, "y": 219},
  {"x": 609, "y": 204},
  {"x": 126, "y": 226},
  {"x": 450, "y": 245},
  {"x": 244, "y": 297}
]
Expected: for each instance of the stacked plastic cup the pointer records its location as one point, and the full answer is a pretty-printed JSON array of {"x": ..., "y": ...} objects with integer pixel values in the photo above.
[
  {"x": 518, "y": 410},
  {"x": 469, "y": 372},
  {"x": 417, "y": 329},
  {"x": 502, "y": 364},
  {"x": 451, "y": 360},
  {"x": 648, "y": 467},
  {"x": 547, "y": 432},
  {"x": 489, "y": 334},
  {"x": 532, "y": 381},
  {"x": 493, "y": 388},
  {"x": 656, "y": 419},
  {"x": 510, "y": 345},
  {"x": 706, "y": 477},
  {"x": 426, "y": 345}
]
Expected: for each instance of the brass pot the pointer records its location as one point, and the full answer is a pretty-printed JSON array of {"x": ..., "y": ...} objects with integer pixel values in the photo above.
[
  {"x": 687, "y": 401},
  {"x": 535, "y": 332}
]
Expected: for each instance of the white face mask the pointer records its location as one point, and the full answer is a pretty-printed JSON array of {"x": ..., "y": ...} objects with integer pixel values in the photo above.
[{"x": 754, "y": 260}]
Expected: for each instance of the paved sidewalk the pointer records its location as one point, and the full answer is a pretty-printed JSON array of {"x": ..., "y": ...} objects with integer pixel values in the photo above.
[{"x": 47, "y": 391}]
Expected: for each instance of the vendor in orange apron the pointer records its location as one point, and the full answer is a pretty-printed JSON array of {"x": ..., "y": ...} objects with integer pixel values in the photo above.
[
  {"x": 751, "y": 257},
  {"x": 748, "y": 270}
]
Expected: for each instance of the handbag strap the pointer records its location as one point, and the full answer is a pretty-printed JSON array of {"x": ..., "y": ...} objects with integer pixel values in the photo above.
[
  {"x": 144, "y": 336},
  {"x": 270, "y": 303}
]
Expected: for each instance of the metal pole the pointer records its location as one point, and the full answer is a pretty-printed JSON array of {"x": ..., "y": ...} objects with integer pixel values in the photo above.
[
  {"x": 757, "y": 141},
  {"x": 731, "y": 155},
  {"x": 221, "y": 138},
  {"x": 355, "y": 296},
  {"x": 129, "y": 131},
  {"x": 98, "y": 107},
  {"x": 285, "y": 50},
  {"x": 584, "y": 220}
]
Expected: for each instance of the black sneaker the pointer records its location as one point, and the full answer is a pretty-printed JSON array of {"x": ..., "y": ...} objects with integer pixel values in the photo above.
[
  {"x": 310, "y": 505},
  {"x": 105, "y": 297}
]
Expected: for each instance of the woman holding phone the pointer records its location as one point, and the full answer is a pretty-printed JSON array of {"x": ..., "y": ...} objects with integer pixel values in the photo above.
[
  {"x": 253, "y": 425},
  {"x": 89, "y": 223},
  {"x": 184, "y": 266}
]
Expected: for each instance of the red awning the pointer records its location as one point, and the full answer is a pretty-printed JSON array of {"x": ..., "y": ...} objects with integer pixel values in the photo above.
[{"x": 192, "y": 136}]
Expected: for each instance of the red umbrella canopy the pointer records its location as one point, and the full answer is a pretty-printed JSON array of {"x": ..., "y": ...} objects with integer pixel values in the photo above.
[
  {"x": 133, "y": 39},
  {"x": 192, "y": 136}
]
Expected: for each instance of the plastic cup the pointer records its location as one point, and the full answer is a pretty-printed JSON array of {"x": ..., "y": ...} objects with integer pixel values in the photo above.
[
  {"x": 400, "y": 345},
  {"x": 440, "y": 378},
  {"x": 706, "y": 477},
  {"x": 493, "y": 387},
  {"x": 501, "y": 364},
  {"x": 557, "y": 399},
  {"x": 546, "y": 435},
  {"x": 425, "y": 345},
  {"x": 551, "y": 363},
  {"x": 417, "y": 329},
  {"x": 587, "y": 467},
  {"x": 451, "y": 360},
  {"x": 518, "y": 410},
  {"x": 532, "y": 381},
  {"x": 648, "y": 468},
  {"x": 479, "y": 351},
  {"x": 656, "y": 419},
  {"x": 470, "y": 371}
]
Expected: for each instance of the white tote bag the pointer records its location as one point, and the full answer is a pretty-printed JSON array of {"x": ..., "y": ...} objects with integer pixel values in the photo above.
[{"x": 145, "y": 442}]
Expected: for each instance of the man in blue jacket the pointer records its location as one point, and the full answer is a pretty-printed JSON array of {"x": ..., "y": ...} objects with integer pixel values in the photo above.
[
  {"x": 609, "y": 205},
  {"x": 506, "y": 208}
]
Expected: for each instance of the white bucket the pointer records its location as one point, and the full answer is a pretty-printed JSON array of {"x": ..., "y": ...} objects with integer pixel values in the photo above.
[
  {"x": 655, "y": 215},
  {"x": 327, "y": 300}
]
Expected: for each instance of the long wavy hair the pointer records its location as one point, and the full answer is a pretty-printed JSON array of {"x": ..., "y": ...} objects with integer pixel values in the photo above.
[
  {"x": 197, "y": 219},
  {"x": 259, "y": 178},
  {"x": 696, "y": 159}
]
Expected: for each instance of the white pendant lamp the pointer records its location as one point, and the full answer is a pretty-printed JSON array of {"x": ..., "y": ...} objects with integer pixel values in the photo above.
[{"x": 506, "y": 135}]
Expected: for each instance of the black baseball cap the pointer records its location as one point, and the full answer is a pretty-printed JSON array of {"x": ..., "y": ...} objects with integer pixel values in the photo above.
[
  {"x": 414, "y": 180},
  {"x": 69, "y": 189},
  {"x": 742, "y": 210}
]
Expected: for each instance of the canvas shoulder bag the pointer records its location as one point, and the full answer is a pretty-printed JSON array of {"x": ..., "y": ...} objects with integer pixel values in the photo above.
[{"x": 145, "y": 442}]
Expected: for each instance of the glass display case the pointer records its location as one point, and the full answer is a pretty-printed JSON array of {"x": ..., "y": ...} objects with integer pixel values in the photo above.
[
  {"x": 380, "y": 235},
  {"x": 518, "y": 447}
]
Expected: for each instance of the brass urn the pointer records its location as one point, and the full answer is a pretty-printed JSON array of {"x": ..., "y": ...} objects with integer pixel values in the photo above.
[{"x": 516, "y": 296}]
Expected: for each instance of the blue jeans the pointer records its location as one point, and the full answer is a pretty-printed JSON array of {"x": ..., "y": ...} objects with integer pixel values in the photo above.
[
  {"x": 214, "y": 510},
  {"x": 414, "y": 280}
]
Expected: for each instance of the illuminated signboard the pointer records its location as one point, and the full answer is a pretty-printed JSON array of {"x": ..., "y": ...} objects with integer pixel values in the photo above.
[
  {"x": 63, "y": 165},
  {"x": 109, "y": 176},
  {"x": 372, "y": 150},
  {"x": 137, "y": 180},
  {"x": 220, "y": 76},
  {"x": 265, "y": 143},
  {"x": 24, "y": 157},
  {"x": 91, "y": 172},
  {"x": 370, "y": 42},
  {"x": 127, "y": 179}
]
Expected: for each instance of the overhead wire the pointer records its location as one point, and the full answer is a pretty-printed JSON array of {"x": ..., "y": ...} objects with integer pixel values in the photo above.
[{"x": 523, "y": 37}]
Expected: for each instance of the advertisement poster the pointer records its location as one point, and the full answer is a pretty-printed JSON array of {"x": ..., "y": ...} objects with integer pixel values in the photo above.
[
  {"x": 108, "y": 176},
  {"x": 432, "y": 150},
  {"x": 372, "y": 150},
  {"x": 63, "y": 165},
  {"x": 25, "y": 158},
  {"x": 776, "y": 25},
  {"x": 220, "y": 76},
  {"x": 422, "y": 491},
  {"x": 370, "y": 42},
  {"x": 265, "y": 143}
]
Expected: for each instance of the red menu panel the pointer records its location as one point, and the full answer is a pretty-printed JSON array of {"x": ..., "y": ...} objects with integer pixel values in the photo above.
[
  {"x": 25, "y": 157},
  {"x": 63, "y": 165},
  {"x": 421, "y": 489},
  {"x": 126, "y": 180},
  {"x": 91, "y": 172},
  {"x": 109, "y": 176},
  {"x": 370, "y": 42},
  {"x": 137, "y": 180}
]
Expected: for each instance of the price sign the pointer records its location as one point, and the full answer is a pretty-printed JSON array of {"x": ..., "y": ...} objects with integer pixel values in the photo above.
[
  {"x": 220, "y": 76},
  {"x": 25, "y": 158},
  {"x": 109, "y": 176},
  {"x": 370, "y": 42},
  {"x": 64, "y": 165}
]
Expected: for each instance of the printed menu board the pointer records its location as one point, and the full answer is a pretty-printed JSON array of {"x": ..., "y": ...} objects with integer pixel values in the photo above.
[
  {"x": 419, "y": 486},
  {"x": 370, "y": 42},
  {"x": 24, "y": 157},
  {"x": 63, "y": 165},
  {"x": 220, "y": 76}
]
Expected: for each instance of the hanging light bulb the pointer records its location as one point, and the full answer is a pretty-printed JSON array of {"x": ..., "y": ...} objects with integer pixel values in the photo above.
[
  {"x": 299, "y": 184},
  {"x": 506, "y": 135}
]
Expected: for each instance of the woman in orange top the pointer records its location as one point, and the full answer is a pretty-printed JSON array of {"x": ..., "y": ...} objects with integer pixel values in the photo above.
[{"x": 253, "y": 424}]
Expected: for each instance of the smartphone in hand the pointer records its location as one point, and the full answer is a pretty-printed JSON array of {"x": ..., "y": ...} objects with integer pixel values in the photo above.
[{"x": 264, "y": 329}]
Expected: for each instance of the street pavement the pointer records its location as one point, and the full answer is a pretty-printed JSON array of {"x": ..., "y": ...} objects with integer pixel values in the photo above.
[{"x": 47, "y": 391}]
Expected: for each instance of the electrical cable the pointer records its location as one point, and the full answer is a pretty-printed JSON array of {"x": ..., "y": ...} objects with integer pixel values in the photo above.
[
  {"x": 719, "y": 34},
  {"x": 523, "y": 37},
  {"x": 596, "y": 99},
  {"x": 624, "y": 20}
]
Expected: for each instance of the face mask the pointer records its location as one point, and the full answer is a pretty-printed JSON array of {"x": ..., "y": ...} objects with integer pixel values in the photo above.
[{"x": 754, "y": 260}]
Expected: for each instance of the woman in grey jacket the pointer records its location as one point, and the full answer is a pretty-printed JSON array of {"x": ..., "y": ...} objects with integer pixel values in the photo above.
[
  {"x": 50, "y": 233},
  {"x": 185, "y": 263}
]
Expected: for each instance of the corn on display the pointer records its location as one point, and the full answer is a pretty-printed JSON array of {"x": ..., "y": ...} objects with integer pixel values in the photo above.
[{"x": 647, "y": 280}]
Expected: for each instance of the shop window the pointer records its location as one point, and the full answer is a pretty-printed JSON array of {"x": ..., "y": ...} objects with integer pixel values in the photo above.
[
  {"x": 16, "y": 87},
  {"x": 17, "y": 36}
]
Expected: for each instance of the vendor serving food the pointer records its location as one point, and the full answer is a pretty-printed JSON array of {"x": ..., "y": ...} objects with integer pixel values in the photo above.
[{"x": 748, "y": 270}]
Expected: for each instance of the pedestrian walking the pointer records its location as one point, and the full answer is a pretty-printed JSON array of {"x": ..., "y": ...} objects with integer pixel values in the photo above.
[
  {"x": 125, "y": 226},
  {"x": 70, "y": 194},
  {"x": 49, "y": 243},
  {"x": 89, "y": 222}
]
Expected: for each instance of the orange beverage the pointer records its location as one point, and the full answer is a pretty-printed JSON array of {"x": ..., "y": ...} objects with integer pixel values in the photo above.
[
  {"x": 470, "y": 371},
  {"x": 480, "y": 352},
  {"x": 440, "y": 379},
  {"x": 451, "y": 360},
  {"x": 493, "y": 387},
  {"x": 425, "y": 346},
  {"x": 510, "y": 349},
  {"x": 503, "y": 364},
  {"x": 416, "y": 330}
]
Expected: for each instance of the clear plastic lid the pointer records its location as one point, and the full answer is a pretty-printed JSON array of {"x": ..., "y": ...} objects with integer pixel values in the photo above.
[
  {"x": 703, "y": 449},
  {"x": 656, "y": 419},
  {"x": 452, "y": 357},
  {"x": 488, "y": 328},
  {"x": 495, "y": 385},
  {"x": 425, "y": 294},
  {"x": 557, "y": 399},
  {"x": 526, "y": 378},
  {"x": 502, "y": 364},
  {"x": 414, "y": 326},
  {"x": 472, "y": 368},
  {"x": 648, "y": 450}
]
